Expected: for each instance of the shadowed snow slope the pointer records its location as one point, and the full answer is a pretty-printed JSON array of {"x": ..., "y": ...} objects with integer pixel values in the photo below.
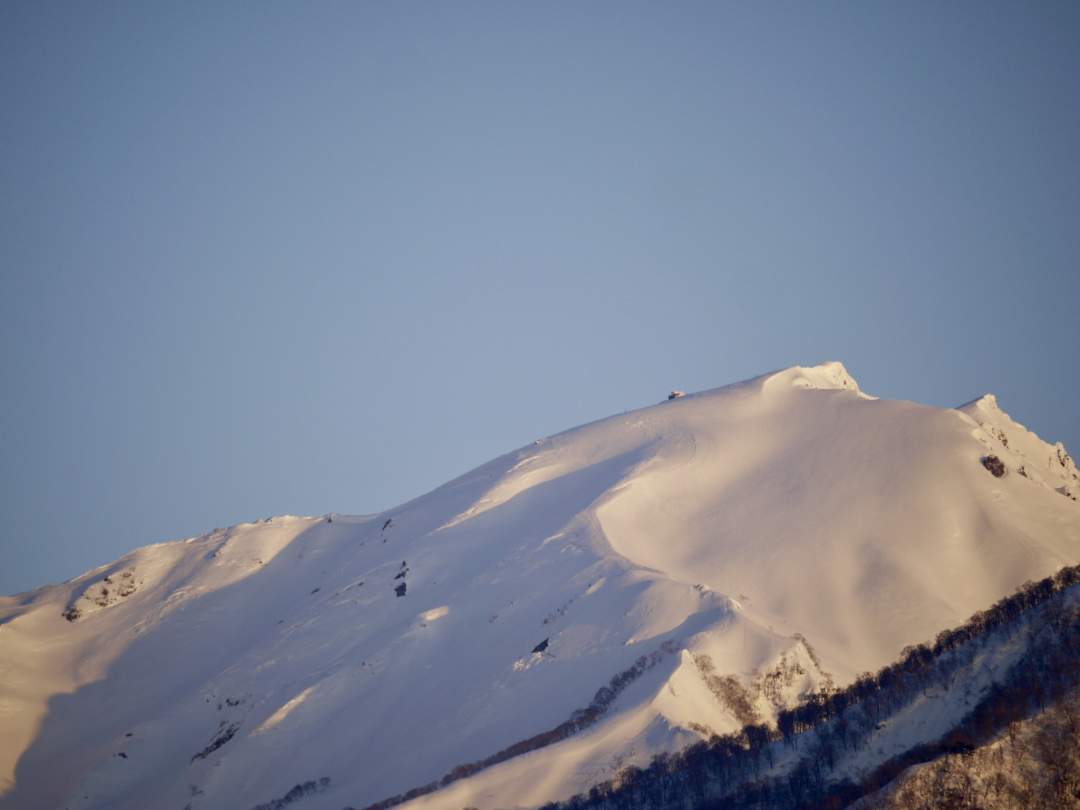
[{"x": 614, "y": 591}]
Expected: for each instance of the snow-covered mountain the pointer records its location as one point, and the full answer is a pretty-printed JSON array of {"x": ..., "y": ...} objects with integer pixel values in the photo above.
[{"x": 580, "y": 604}]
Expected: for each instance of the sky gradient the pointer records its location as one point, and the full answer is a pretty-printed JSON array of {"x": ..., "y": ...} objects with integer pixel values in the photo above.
[{"x": 298, "y": 258}]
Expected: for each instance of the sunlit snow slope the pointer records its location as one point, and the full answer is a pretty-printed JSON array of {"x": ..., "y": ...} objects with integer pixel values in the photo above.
[{"x": 608, "y": 580}]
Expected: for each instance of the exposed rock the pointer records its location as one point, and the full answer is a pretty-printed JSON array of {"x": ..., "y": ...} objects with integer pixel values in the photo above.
[
  {"x": 995, "y": 465},
  {"x": 222, "y": 737},
  {"x": 298, "y": 792}
]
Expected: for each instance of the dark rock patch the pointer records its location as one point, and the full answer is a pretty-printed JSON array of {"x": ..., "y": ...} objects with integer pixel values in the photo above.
[
  {"x": 298, "y": 792},
  {"x": 995, "y": 465},
  {"x": 222, "y": 737}
]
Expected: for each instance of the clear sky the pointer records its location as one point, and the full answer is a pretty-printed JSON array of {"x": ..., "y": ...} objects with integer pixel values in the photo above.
[{"x": 305, "y": 257}]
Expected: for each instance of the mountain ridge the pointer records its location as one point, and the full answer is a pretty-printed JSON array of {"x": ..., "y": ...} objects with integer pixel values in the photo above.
[{"x": 789, "y": 523}]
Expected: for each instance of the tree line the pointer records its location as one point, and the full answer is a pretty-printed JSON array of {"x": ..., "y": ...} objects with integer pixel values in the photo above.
[{"x": 731, "y": 771}]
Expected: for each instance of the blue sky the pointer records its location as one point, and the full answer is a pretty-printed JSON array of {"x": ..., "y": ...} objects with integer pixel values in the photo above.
[{"x": 311, "y": 257}]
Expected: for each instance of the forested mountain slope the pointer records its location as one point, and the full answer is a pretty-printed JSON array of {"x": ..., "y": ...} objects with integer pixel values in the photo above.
[{"x": 954, "y": 698}]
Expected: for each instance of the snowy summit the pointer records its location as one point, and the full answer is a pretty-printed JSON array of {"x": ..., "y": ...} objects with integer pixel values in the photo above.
[{"x": 528, "y": 629}]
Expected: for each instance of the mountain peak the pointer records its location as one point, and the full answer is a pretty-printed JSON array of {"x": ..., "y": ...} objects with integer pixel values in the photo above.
[
  {"x": 987, "y": 402},
  {"x": 831, "y": 375},
  {"x": 573, "y": 599}
]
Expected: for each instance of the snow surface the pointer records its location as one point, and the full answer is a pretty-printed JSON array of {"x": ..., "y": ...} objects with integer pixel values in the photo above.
[{"x": 704, "y": 532}]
